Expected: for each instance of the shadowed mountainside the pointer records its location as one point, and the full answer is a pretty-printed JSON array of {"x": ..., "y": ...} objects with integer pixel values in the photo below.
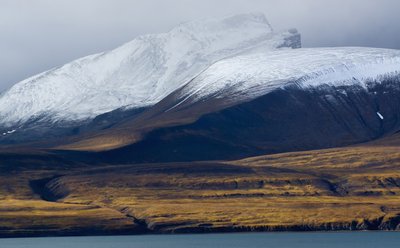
[{"x": 290, "y": 119}]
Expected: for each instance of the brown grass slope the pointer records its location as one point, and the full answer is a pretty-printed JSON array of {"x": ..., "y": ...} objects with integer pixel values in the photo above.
[{"x": 351, "y": 188}]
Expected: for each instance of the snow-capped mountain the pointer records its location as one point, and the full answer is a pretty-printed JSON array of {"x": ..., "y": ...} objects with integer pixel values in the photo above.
[
  {"x": 330, "y": 76},
  {"x": 139, "y": 73},
  {"x": 258, "y": 103},
  {"x": 211, "y": 89}
]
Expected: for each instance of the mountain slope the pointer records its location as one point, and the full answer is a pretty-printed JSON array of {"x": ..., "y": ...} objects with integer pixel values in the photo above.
[
  {"x": 265, "y": 102},
  {"x": 249, "y": 76}
]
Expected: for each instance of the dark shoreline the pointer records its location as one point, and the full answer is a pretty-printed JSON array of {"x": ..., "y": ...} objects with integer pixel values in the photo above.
[{"x": 222, "y": 230}]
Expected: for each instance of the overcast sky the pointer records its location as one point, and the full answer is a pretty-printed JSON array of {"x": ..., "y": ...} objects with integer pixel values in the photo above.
[{"x": 36, "y": 35}]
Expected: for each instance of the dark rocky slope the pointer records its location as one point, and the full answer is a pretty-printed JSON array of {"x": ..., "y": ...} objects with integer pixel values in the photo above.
[{"x": 289, "y": 119}]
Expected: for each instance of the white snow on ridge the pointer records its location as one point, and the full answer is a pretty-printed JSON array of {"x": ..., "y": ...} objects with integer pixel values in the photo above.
[
  {"x": 139, "y": 73},
  {"x": 9, "y": 132},
  {"x": 255, "y": 74}
]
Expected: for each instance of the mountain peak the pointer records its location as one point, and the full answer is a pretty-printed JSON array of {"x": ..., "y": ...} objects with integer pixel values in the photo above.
[
  {"x": 238, "y": 21},
  {"x": 224, "y": 31},
  {"x": 139, "y": 73}
]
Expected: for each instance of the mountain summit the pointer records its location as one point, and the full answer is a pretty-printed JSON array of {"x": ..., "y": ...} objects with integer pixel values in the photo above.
[{"x": 139, "y": 73}]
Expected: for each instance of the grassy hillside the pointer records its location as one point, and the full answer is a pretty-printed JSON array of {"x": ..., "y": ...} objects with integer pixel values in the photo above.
[{"x": 352, "y": 188}]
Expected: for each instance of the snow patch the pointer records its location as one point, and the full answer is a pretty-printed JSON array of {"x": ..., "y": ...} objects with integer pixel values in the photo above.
[{"x": 9, "y": 132}]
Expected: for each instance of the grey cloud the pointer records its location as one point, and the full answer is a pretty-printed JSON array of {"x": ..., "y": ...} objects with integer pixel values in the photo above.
[{"x": 36, "y": 35}]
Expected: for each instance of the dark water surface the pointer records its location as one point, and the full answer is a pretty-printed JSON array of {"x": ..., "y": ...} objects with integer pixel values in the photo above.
[{"x": 231, "y": 240}]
